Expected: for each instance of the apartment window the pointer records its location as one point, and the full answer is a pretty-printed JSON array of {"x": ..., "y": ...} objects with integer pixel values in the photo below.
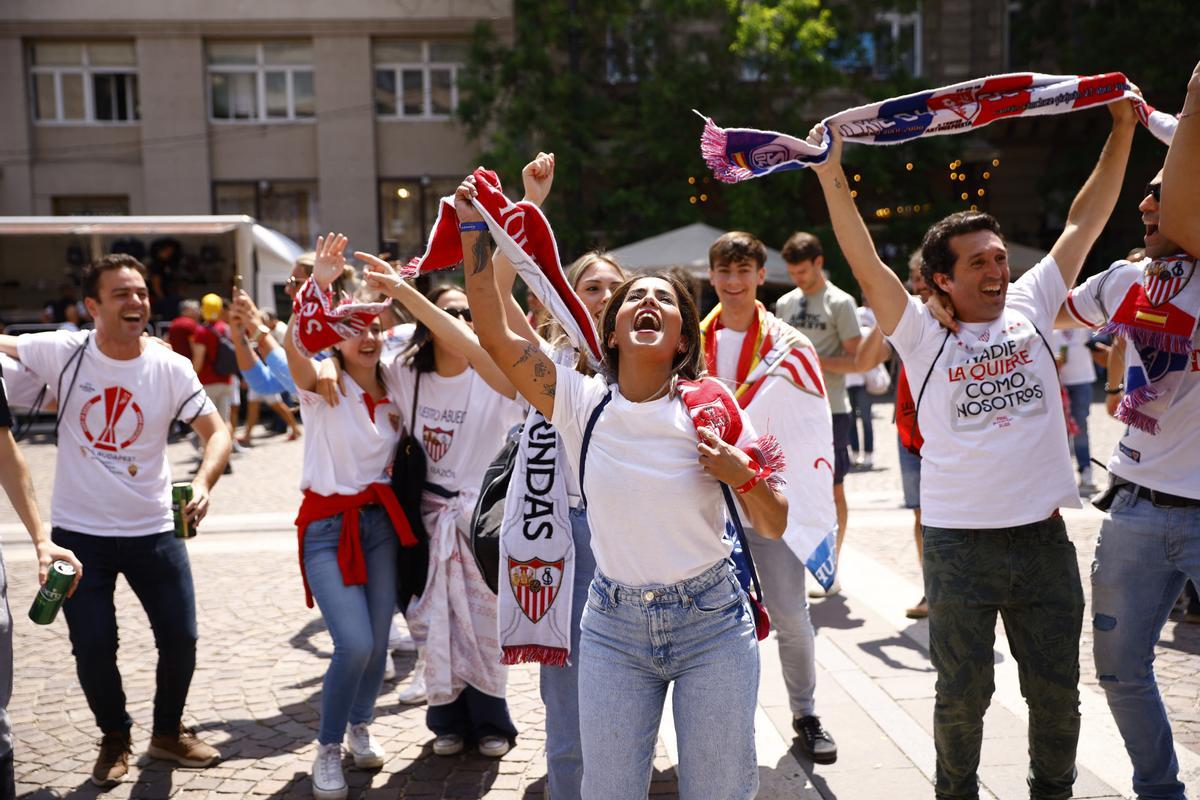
[
  {"x": 892, "y": 46},
  {"x": 89, "y": 205},
  {"x": 417, "y": 80},
  {"x": 261, "y": 81},
  {"x": 289, "y": 207},
  {"x": 407, "y": 210},
  {"x": 84, "y": 82}
]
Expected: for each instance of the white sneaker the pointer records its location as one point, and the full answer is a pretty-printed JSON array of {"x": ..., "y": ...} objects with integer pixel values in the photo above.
[
  {"x": 367, "y": 752},
  {"x": 389, "y": 668},
  {"x": 401, "y": 641},
  {"x": 492, "y": 746},
  {"x": 866, "y": 462},
  {"x": 817, "y": 592},
  {"x": 328, "y": 782},
  {"x": 449, "y": 745},
  {"x": 414, "y": 693}
]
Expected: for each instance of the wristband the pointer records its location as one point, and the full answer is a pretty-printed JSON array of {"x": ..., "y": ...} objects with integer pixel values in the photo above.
[
  {"x": 1120, "y": 387},
  {"x": 760, "y": 473},
  {"x": 463, "y": 227}
]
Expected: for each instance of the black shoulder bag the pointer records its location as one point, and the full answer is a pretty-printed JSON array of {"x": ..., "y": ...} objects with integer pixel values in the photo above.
[{"x": 408, "y": 482}]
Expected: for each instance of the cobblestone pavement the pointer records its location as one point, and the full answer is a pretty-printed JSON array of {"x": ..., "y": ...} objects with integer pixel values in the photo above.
[{"x": 262, "y": 655}]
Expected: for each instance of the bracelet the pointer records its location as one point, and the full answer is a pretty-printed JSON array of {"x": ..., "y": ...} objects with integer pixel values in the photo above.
[
  {"x": 760, "y": 473},
  {"x": 480, "y": 225},
  {"x": 1120, "y": 387}
]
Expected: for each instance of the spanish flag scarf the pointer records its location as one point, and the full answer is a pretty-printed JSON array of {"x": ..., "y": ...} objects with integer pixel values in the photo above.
[{"x": 770, "y": 347}]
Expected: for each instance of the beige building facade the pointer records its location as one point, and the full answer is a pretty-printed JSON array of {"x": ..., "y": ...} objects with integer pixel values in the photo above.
[{"x": 305, "y": 115}]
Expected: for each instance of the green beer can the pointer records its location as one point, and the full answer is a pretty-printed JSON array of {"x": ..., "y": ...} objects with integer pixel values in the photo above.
[
  {"x": 50, "y": 597},
  {"x": 181, "y": 495}
]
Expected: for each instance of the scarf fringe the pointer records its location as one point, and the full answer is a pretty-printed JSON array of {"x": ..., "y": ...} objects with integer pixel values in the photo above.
[
  {"x": 534, "y": 654},
  {"x": 1136, "y": 419},
  {"x": 712, "y": 148},
  {"x": 772, "y": 458},
  {"x": 1166, "y": 342}
]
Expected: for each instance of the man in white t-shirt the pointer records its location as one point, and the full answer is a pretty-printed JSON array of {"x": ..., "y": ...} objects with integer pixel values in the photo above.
[
  {"x": 738, "y": 335},
  {"x": 112, "y": 501},
  {"x": 995, "y": 466},
  {"x": 1149, "y": 543}
]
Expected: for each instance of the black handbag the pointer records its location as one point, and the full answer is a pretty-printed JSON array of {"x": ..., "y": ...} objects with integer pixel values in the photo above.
[
  {"x": 488, "y": 518},
  {"x": 408, "y": 483}
]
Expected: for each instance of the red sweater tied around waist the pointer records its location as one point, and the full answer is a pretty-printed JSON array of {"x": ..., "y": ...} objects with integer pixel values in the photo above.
[{"x": 350, "y": 553}]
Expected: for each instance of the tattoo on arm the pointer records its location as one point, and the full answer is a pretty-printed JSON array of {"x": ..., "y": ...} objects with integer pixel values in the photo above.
[
  {"x": 526, "y": 353},
  {"x": 548, "y": 389},
  {"x": 837, "y": 183},
  {"x": 540, "y": 370},
  {"x": 482, "y": 251}
]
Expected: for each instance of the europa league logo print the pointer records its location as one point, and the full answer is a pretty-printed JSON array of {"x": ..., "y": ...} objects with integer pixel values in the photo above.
[{"x": 118, "y": 419}]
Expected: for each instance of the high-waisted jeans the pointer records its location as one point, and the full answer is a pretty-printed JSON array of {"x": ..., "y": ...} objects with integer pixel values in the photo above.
[
  {"x": 636, "y": 641},
  {"x": 358, "y": 617}
]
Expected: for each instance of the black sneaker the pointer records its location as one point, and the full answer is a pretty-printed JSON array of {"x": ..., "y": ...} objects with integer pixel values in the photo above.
[{"x": 815, "y": 742}]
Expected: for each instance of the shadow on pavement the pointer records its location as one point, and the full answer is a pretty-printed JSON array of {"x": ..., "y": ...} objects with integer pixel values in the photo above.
[
  {"x": 832, "y": 612},
  {"x": 914, "y": 652}
]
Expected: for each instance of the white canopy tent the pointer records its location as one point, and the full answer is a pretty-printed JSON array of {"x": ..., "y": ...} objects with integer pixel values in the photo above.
[{"x": 687, "y": 247}]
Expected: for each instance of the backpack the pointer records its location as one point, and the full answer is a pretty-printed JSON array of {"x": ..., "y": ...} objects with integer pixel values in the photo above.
[
  {"x": 408, "y": 483},
  {"x": 225, "y": 358},
  {"x": 488, "y": 518}
]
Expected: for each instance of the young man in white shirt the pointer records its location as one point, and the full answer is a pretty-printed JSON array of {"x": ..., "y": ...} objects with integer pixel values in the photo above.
[
  {"x": 112, "y": 501},
  {"x": 738, "y": 335},
  {"x": 826, "y": 315},
  {"x": 995, "y": 464},
  {"x": 1149, "y": 543}
]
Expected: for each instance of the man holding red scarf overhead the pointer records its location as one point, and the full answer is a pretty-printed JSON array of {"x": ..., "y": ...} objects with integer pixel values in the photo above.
[{"x": 775, "y": 375}]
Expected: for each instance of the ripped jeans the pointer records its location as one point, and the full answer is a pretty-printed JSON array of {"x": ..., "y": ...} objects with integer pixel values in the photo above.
[{"x": 1143, "y": 557}]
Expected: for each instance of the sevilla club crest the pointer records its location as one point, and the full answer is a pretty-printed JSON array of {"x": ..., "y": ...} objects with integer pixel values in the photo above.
[
  {"x": 437, "y": 442},
  {"x": 535, "y": 584},
  {"x": 1166, "y": 278}
]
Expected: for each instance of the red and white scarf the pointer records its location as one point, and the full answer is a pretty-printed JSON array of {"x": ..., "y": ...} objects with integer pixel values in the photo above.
[
  {"x": 738, "y": 154},
  {"x": 779, "y": 382},
  {"x": 523, "y": 234},
  {"x": 1158, "y": 316},
  {"x": 320, "y": 323}
]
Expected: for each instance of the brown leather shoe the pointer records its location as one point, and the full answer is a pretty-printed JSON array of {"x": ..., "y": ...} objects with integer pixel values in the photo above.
[
  {"x": 113, "y": 761},
  {"x": 183, "y": 748},
  {"x": 919, "y": 611}
]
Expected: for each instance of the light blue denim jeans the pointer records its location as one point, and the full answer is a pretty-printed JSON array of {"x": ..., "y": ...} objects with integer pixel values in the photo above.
[
  {"x": 358, "y": 617},
  {"x": 1144, "y": 555},
  {"x": 560, "y": 685},
  {"x": 636, "y": 641}
]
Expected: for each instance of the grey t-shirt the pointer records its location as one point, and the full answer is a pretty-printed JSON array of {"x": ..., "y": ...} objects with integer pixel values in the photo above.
[{"x": 827, "y": 317}]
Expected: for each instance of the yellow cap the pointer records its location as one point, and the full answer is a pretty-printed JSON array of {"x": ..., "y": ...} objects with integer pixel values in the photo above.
[{"x": 210, "y": 306}]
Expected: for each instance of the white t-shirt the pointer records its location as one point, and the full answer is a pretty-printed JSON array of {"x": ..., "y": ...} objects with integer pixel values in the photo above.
[
  {"x": 1170, "y": 461},
  {"x": 349, "y": 446},
  {"x": 995, "y": 452},
  {"x": 729, "y": 350},
  {"x": 1079, "y": 367},
  {"x": 461, "y": 423},
  {"x": 112, "y": 477},
  {"x": 656, "y": 517},
  {"x": 22, "y": 385}
]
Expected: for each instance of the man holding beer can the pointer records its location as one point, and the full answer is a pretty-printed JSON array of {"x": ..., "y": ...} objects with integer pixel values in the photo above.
[
  {"x": 120, "y": 393},
  {"x": 14, "y": 477}
]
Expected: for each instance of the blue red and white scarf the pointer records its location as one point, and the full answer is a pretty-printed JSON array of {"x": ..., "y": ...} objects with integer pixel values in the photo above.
[{"x": 738, "y": 154}]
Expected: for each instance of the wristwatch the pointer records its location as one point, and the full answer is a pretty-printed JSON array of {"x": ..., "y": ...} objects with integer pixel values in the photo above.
[{"x": 260, "y": 332}]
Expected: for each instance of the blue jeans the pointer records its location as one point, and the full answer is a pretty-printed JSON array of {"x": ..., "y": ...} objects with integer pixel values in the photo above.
[
  {"x": 358, "y": 617},
  {"x": 636, "y": 641},
  {"x": 560, "y": 685},
  {"x": 1080, "y": 398},
  {"x": 158, "y": 571},
  {"x": 860, "y": 410},
  {"x": 1143, "y": 556}
]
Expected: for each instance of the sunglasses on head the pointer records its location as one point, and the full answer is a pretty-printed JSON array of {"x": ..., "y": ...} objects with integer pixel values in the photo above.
[
  {"x": 1154, "y": 189},
  {"x": 462, "y": 313}
]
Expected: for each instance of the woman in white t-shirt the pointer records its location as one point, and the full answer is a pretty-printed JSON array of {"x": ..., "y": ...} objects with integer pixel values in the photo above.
[
  {"x": 665, "y": 607},
  {"x": 350, "y": 527},
  {"x": 460, "y": 406}
]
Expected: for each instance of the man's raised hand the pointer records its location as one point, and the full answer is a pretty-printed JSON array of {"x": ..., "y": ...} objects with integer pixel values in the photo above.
[{"x": 537, "y": 177}]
